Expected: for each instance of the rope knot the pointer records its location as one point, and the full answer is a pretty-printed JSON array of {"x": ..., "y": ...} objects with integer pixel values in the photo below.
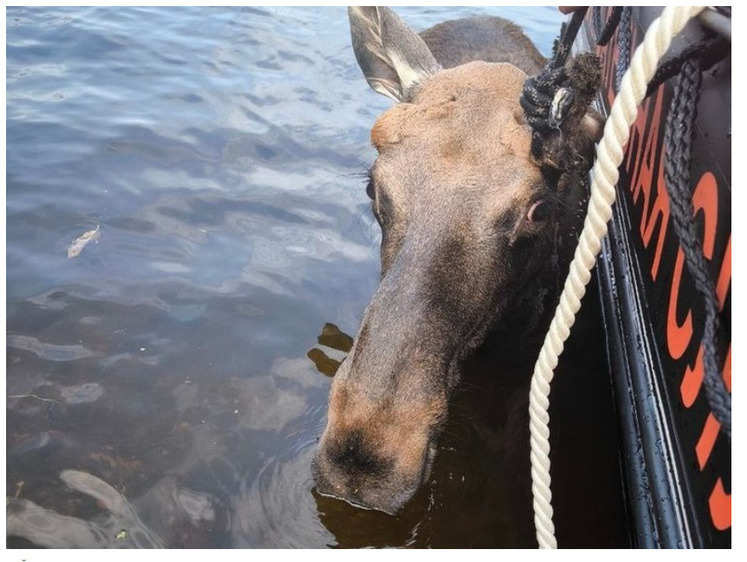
[{"x": 556, "y": 105}]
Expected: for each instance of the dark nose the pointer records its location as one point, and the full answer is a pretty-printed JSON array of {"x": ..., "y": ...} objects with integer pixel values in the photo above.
[
  {"x": 352, "y": 455},
  {"x": 348, "y": 469}
]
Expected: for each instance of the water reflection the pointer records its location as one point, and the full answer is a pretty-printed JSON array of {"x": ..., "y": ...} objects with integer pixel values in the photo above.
[
  {"x": 336, "y": 343},
  {"x": 166, "y": 514}
]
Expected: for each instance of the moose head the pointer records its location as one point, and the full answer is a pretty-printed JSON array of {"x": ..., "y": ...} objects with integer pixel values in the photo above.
[{"x": 471, "y": 226}]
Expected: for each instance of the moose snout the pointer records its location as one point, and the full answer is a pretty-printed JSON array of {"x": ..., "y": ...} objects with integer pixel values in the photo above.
[
  {"x": 375, "y": 451},
  {"x": 346, "y": 468}
]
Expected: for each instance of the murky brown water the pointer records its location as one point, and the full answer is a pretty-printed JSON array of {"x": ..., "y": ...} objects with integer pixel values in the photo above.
[{"x": 166, "y": 387}]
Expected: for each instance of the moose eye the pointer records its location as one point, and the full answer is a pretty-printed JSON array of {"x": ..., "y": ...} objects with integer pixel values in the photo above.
[
  {"x": 370, "y": 190},
  {"x": 539, "y": 211},
  {"x": 380, "y": 210}
]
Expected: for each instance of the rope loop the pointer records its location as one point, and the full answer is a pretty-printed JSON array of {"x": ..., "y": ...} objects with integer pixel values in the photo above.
[{"x": 707, "y": 53}]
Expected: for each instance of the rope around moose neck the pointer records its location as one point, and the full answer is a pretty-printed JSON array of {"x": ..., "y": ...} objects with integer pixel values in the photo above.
[{"x": 604, "y": 177}]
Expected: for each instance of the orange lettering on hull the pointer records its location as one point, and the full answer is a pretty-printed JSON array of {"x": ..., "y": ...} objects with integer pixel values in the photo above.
[
  {"x": 693, "y": 377},
  {"x": 679, "y": 335},
  {"x": 710, "y": 431},
  {"x": 720, "y": 506},
  {"x": 644, "y": 166},
  {"x": 692, "y": 380},
  {"x": 705, "y": 198},
  {"x": 719, "y": 503}
]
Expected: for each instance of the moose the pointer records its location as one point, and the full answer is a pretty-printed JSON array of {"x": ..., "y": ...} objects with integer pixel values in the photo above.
[{"x": 476, "y": 232}]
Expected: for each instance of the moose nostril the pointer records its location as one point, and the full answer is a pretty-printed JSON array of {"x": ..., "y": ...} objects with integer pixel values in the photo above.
[{"x": 356, "y": 457}]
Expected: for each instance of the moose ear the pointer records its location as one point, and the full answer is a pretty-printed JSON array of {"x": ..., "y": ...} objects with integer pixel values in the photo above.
[{"x": 393, "y": 58}]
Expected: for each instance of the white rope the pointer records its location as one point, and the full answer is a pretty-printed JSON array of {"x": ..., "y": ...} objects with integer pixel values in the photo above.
[{"x": 604, "y": 177}]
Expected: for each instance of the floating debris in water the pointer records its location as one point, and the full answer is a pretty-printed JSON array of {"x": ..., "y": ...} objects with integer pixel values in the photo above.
[
  {"x": 40, "y": 443},
  {"x": 121, "y": 535},
  {"x": 335, "y": 338},
  {"x": 31, "y": 395},
  {"x": 82, "y": 241},
  {"x": 52, "y": 352},
  {"x": 323, "y": 363},
  {"x": 83, "y": 393}
]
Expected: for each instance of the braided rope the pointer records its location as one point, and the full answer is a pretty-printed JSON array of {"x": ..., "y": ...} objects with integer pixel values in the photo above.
[
  {"x": 623, "y": 46},
  {"x": 604, "y": 177},
  {"x": 678, "y": 141},
  {"x": 539, "y": 90},
  {"x": 609, "y": 28},
  {"x": 708, "y": 53},
  {"x": 596, "y": 19}
]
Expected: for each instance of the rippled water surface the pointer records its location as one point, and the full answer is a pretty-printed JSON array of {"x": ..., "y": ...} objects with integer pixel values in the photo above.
[{"x": 166, "y": 386}]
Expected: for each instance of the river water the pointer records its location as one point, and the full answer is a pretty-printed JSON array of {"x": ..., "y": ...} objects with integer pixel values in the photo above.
[{"x": 166, "y": 386}]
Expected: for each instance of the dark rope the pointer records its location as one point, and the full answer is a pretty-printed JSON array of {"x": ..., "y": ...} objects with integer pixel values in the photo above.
[
  {"x": 539, "y": 90},
  {"x": 624, "y": 40},
  {"x": 537, "y": 97},
  {"x": 569, "y": 36},
  {"x": 604, "y": 36},
  {"x": 678, "y": 141},
  {"x": 596, "y": 17},
  {"x": 708, "y": 53},
  {"x": 620, "y": 17}
]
